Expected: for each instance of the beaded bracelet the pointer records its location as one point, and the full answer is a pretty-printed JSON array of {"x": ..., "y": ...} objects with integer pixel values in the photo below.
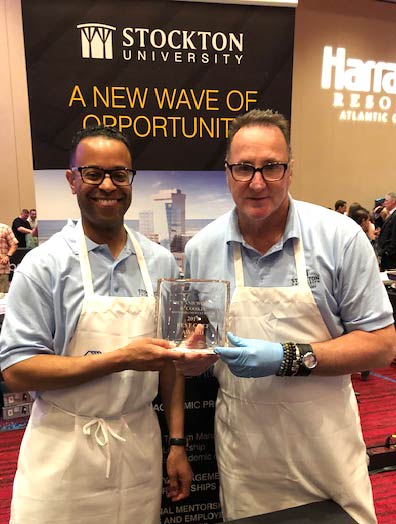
[{"x": 291, "y": 360}]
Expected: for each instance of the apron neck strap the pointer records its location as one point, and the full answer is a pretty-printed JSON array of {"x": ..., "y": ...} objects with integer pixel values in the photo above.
[
  {"x": 299, "y": 259},
  {"x": 238, "y": 266},
  {"x": 84, "y": 261},
  {"x": 86, "y": 267},
  {"x": 142, "y": 263}
]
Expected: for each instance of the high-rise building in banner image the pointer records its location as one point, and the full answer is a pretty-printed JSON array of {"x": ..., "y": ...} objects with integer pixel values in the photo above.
[
  {"x": 173, "y": 202},
  {"x": 146, "y": 225},
  {"x": 146, "y": 222}
]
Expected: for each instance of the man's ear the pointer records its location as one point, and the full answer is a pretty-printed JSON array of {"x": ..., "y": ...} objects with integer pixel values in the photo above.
[{"x": 71, "y": 180}]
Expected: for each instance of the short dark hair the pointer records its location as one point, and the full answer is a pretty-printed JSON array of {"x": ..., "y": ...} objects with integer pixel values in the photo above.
[
  {"x": 354, "y": 207},
  {"x": 339, "y": 203},
  {"x": 359, "y": 215},
  {"x": 100, "y": 130},
  {"x": 259, "y": 117}
]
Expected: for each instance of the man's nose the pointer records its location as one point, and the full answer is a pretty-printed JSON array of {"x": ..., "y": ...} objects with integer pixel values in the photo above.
[
  {"x": 107, "y": 183},
  {"x": 257, "y": 182}
]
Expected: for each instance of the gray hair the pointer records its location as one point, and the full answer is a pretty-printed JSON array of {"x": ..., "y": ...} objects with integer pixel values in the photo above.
[{"x": 259, "y": 117}]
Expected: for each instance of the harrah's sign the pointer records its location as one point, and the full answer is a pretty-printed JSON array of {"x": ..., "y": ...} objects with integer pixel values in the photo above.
[{"x": 362, "y": 89}]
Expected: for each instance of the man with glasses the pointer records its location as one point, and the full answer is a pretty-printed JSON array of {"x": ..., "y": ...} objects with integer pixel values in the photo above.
[
  {"x": 305, "y": 313},
  {"x": 79, "y": 332}
]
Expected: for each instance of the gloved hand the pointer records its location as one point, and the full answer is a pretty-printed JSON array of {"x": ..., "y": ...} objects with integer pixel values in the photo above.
[{"x": 251, "y": 357}]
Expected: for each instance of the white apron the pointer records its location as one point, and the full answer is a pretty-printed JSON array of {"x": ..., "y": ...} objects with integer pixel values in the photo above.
[
  {"x": 287, "y": 441},
  {"x": 92, "y": 454}
]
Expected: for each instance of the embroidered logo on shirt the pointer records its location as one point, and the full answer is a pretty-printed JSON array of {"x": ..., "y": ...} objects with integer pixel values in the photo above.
[
  {"x": 142, "y": 293},
  {"x": 93, "y": 353},
  {"x": 313, "y": 280}
]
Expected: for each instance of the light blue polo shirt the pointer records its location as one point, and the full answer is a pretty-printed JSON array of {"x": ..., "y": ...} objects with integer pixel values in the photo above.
[
  {"x": 46, "y": 293},
  {"x": 342, "y": 269}
]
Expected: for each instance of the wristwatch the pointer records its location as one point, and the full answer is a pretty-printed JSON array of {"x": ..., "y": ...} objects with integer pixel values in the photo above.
[
  {"x": 182, "y": 441},
  {"x": 307, "y": 361}
]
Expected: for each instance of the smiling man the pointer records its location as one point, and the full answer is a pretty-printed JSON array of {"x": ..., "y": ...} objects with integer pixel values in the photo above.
[
  {"x": 78, "y": 332},
  {"x": 308, "y": 308}
]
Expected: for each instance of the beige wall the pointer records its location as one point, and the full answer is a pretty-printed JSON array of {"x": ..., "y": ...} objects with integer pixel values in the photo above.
[
  {"x": 354, "y": 161},
  {"x": 17, "y": 189},
  {"x": 333, "y": 159}
]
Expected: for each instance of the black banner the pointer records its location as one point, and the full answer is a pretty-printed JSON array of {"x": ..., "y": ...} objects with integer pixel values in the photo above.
[
  {"x": 171, "y": 75},
  {"x": 203, "y": 504}
]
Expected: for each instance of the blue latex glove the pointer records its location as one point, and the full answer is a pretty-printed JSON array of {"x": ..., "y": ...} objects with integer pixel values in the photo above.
[{"x": 251, "y": 357}]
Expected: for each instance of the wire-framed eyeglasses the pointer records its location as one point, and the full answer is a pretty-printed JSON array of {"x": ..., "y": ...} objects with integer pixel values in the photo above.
[
  {"x": 94, "y": 175},
  {"x": 271, "y": 172}
]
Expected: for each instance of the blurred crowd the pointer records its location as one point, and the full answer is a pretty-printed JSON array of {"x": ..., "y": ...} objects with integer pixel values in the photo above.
[
  {"x": 22, "y": 234},
  {"x": 379, "y": 225}
]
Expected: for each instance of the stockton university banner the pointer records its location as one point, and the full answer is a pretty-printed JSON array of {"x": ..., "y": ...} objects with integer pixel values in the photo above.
[{"x": 171, "y": 75}]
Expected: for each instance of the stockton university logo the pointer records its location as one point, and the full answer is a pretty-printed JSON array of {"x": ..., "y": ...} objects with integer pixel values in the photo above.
[
  {"x": 143, "y": 44},
  {"x": 96, "y": 40}
]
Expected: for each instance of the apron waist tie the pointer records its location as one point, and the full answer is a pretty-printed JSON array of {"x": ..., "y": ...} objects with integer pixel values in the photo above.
[{"x": 101, "y": 436}]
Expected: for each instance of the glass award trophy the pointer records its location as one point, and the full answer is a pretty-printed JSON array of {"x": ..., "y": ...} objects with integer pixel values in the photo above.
[{"x": 193, "y": 313}]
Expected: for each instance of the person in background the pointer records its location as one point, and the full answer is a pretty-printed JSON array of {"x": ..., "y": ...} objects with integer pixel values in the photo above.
[
  {"x": 78, "y": 332},
  {"x": 387, "y": 235},
  {"x": 379, "y": 215},
  {"x": 305, "y": 313},
  {"x": 21, "y": 227},
  {"x": 8, "y": 246},
  {"x": 368, "y": 226},
  {"x": 32, "y": 238},
  {"x": 353, "y": 207},
  {"x": 340, "y": 206},
  {"x": 362, "y": 217}
]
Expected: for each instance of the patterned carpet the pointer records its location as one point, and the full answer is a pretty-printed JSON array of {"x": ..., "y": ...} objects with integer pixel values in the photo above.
[
  {"x": 377, "y": 407},
  {"x": 9, "y": 448},
  {"x": 377, "y": 404}
]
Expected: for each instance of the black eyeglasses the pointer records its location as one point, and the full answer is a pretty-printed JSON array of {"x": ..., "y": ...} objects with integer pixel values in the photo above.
[
  {"x": 94, "y": 175},
  {"x": 271, "y": 172}
]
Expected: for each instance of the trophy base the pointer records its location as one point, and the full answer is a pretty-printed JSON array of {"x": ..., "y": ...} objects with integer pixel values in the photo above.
[{"x": 186, "y": 349}]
